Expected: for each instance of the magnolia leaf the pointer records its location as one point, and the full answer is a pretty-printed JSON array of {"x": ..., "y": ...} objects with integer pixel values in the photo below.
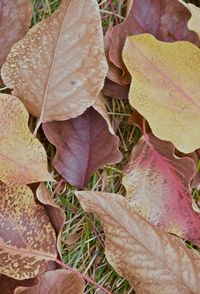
[
  {"x": 15, "y": 18},
  {"x": 151, "y": 260},
  {"x": 166, "y": 97},
  {"x": 83, "y": 144},
  {"x": 8, "y": 285},
  {"x": 58, "y": 281},
  {"x": 23, "y": 159},
  {"x": 158, "y": 186},
  {"x": 28, "y": 240},
  {"x": 193, "y": 23},
  {"x": 165, "y": 19},
  {"x": 55, "y": 213},
  {"x": 58, "y": 68}
]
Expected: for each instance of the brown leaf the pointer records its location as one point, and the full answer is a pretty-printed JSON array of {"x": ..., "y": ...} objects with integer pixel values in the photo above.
[
  {"x": 56, "y": 282},
  {"x": 8, "y": 285},
  {"x": 165, "y": 19},
  {"x": 54, "y": 212},
  {"x": 28, "y": 240},
  {"x": 15, "y": 18},
  {"x": 83, "y": 144},
  {"x": 114, "y": 90},
  {"x": 158, "y": 186},
  {"x": 151, "y": 260},
  {"x": 58, "y": 68},
  {"x": 23, "y": 159}
]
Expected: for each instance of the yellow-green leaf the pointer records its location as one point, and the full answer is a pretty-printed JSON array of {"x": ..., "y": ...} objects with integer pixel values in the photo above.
[
  {"x": 165, "y": 87},
  {"x": 22, "y": 158},
  {"x": 28, "y": 240}
]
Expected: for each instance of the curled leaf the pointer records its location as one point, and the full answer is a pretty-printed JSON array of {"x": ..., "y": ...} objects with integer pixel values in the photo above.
[
  {"x": 23, "y": 159},
  {"x": 27, "y": 238},
  {"x": 58, "y": 281},
  {"x": 151, "y": 260},
  {"x": 158, "y": 186},
  {"x": 165, "y": 89},
  {"x": 58, "y": 68}
]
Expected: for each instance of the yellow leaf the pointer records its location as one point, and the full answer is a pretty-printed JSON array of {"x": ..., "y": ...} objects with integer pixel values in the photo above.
[
  {"x": 23, "y": 159},
  {"x": 165, "y": 87},
  {"x": 59, "y": 67},
  {"x": 28, "y": 240}
]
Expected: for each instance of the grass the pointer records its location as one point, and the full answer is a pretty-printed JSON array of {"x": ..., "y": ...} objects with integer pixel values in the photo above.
[{"x": 83, "y": 236}]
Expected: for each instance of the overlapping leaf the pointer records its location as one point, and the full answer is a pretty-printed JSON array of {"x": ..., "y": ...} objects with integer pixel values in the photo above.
[
  {"x": 15, "y": 19},
  {"x": 161, "y": 90},
  {"x": 158, "y": 186},
  {"x": 58, "y": 68},
  {"x": 55, "y": 282},
  {"x": 83, "y": 144},
  {"x": 28, "y": 240},
  {"x": 8, "y": 285},
  {"x": 193, "y": 23},
  {"x": 151, "y": 260},
  {"x": 165, "y": 19},
  {"x": 22, "y": 157}
]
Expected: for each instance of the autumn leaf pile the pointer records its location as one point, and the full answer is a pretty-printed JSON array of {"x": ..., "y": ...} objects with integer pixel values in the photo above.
[{"x": 60, "y": 72}]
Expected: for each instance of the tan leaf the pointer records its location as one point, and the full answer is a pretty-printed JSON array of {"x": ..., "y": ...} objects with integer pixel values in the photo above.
[
  {"x": 27, "y": 238},
  {"x": 165, "y": 88},
  {"x": 58, "y": 68},
  {"x": 15, "y": 18},
  {"x": 151, "y": 260},
  {"x": 55, "y": 282},
  {"x": 55, "y": 213},
  {"x": 22, "y": 158}
]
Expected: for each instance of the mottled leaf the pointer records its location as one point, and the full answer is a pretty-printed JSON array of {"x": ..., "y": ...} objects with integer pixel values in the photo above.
[
  {"x": 151, "y": 260},
  {"x": 55, "y": 213},
  {"x": 27, "y": 238},
  {"x": 165, "y": 19},
  {"x": 15, "y": 18},
  {"x": 56, "y": 282},
  {"x": 165, "y": 89},
  {"x": 22, "y": 158},
  {"x": 58, "y": 68},
  {"x": 83, "y": 144},
  {"x": 158, "y": 186}
]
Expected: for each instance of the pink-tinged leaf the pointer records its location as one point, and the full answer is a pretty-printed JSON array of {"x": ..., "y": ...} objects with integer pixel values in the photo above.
[
  {"x": 83, "y": 145},
  {"x": 158, "y": 186},
  {"x": 165, "y": 19}
]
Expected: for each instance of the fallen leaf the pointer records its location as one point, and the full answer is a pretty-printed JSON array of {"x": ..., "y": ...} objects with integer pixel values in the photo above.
[
  {"x": 28, "y": 240},
  {"x": 59, "y": 67},
  {"x": 114, "y": 90},
  {"x": 23, "y": 159},
  {"x": 58, "y": 281},
  {"x": 54, "y": 212},
  {"x": 8, "y": 285},
  {"x": 151, "y": 260},
  {"x": 15, "y": 19},
  {"x": 165, "y": 19},
  {"x": 166, "y": 97},
  {"x": 193, "y": 23},
  {"x": 83, "y": 144},
  {"x": 158, "y": 186}
]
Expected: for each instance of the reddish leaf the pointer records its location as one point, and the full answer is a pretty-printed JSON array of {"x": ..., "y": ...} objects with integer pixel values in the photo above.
[
  {"x": 158, "y": 186},
  {"x": 15, "y": 18},
  {"x": 56, "y": 282},
  {"x": 114, "y": 90},
  {"x": 8, "y": 285},
  {"x": 165, "y": 19},
  {"x": 83, "y": 145}
]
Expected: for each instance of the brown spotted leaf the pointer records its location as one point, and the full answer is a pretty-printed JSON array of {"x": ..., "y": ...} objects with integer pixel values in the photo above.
[
  {"x": 27, "y": 238},
  {"x": 83, "y": 144},
  {"x": 151, "y": 260},
  {"x": 15, "y": 18},
  {"x": 58, "y": 68},
  {"x": 22, "y": 158},
  {"x": 158, "y": 186},
  {"x": 56, "y": 282},
  {"x": 165, "y": 19},
  {"x": 55, "y": 213}
]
